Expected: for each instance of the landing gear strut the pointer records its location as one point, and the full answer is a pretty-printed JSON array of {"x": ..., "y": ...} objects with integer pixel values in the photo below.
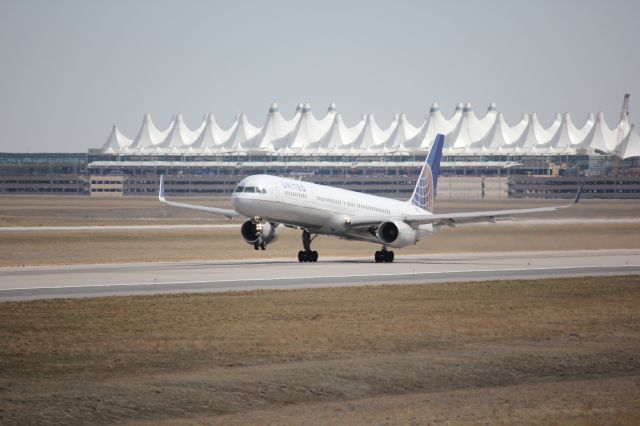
[
  {"x": 307, "y": 255},
  {"x": 259, "y": 243},
  {"x": 384, "y": 255}
]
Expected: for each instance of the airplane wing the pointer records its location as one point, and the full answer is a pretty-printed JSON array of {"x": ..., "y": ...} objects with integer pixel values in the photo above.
[
  {"x": 225, "y": 212},
  {"x": 452, "y": 219}
]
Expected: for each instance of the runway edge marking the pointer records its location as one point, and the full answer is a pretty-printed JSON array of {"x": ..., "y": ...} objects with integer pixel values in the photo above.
[{"x": 316, "y": 277}]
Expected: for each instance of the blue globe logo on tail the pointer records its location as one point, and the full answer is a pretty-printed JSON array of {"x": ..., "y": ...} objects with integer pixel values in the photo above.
[{"x": 425, "y": 190}]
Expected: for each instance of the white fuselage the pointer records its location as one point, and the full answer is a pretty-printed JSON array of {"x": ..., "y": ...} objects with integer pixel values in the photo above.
[{"x": 317, "y": 208}]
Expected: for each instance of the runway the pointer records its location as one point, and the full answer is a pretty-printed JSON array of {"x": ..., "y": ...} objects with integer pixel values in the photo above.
[{"x": 18, "y": 283}]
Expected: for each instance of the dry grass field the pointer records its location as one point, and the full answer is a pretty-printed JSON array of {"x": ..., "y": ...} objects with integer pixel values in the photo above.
[
  {"x": 215, "y": 244},
  {"x": 76, "y": 211},
  {"x": 17, "y": 248},
  {"x": 537, "y": 352}
]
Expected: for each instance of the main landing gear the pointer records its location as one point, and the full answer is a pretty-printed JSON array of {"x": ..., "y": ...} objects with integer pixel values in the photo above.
[
  {"x": 307, "y": 255},
  {"x": 384, "y": 255}
]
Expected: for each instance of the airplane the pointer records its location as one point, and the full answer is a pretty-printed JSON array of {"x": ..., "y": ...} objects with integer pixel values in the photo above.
[{"x": 271, "y": 201}]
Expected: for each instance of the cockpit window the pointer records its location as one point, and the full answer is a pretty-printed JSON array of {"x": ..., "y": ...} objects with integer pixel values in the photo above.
[
  {"x": 256, "y": 189},
  {"x": 253, "y": 189}
]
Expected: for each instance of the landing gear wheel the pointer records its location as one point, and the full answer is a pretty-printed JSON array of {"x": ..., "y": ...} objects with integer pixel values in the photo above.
[
  {"x": 262, "y": 246},
  {"x": 385, "y": 256},
  {"x": 390, "y": 257},
  {"x": 256, "y": 246},
  {"x": 307, "y": 255}
]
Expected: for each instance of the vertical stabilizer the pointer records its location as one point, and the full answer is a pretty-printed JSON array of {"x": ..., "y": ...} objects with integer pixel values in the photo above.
[{"x": 425, "y": 190}]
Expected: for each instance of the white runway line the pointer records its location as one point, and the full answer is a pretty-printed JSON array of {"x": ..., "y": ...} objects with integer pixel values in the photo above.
[
  {"x": 23, "y": 283},
  {"x": 312, "y": 277}
]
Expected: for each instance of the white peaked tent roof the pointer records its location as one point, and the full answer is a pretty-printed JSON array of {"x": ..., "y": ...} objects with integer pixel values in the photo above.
[
  {"x": 602, "y": 137},
  {"x": 149, "y": 137},
  {"x": 276, "y": 127},
  {"x": 339, "y": 136},
  {"x": 308, "y": 130},
  {"x": 434, "y": 123},
  {"x": 543, "y": 139},
  {"x": 372, "y": 137},
  {"x": 501, "y": 137},
  {"x": 469, "y": 130},
  {"x": 401, "y": 133},
  {"x": 242, "y": 132},
  {"x": 116, "y": 141},
  {"x": 212, "y": 136},
  {"x": 569, "y": 137},
  {"x": 180, "y": 137},
  {"x": 630, "y": 145},
  {"x": 464, "y": 132}
]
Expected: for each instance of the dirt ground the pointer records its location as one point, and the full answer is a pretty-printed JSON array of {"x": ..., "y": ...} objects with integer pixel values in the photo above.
[
  {"x": 563, "y": 351},
  {"x": 64, "y": 247}
]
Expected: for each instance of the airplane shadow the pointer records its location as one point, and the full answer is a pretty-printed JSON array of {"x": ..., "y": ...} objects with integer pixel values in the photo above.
[
  {"x": 346, "y": 261},
  {"x": 416, "y": 262}
]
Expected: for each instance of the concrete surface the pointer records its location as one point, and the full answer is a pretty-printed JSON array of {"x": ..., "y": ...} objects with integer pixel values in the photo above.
[{"x": 18, "y": 283}]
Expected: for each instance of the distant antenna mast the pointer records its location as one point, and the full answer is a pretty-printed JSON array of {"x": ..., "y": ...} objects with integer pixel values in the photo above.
[{"x": 622, "y": 130}]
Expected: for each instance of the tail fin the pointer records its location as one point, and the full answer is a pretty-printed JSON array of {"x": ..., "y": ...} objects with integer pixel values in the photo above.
[{"x": 425, "y": 190}]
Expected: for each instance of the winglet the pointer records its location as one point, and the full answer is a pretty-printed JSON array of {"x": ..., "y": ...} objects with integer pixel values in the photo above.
[
  {"x": 161, "y": 189},
  {"x": 578, "y": 194}
]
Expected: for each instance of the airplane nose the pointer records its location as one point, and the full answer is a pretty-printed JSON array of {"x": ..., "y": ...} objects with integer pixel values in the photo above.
[{"x": 242, "y": 205}]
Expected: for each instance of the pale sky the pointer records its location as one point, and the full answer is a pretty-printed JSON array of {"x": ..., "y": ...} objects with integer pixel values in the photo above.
[{"x": 71, "y": 69}]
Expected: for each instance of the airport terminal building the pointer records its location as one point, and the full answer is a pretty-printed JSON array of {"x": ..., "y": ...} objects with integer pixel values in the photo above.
[{"x": 483, "y": 157}]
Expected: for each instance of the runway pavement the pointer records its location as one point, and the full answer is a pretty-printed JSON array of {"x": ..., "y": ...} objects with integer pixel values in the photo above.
[{"x": 17, "y": 283}]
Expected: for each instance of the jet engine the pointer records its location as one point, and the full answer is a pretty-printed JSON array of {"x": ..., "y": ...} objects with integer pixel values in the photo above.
[
  {"x": 259, "y": 234},
  {"x": 396, "y": 234}
]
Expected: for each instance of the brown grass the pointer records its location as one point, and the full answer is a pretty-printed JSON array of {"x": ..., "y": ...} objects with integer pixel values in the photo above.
[
  {"x": 174, "y": 245},
  {"x": 76, "y": 211},
  {"x": 218, "y": 244},
  {"x": 551, "y": 351}
]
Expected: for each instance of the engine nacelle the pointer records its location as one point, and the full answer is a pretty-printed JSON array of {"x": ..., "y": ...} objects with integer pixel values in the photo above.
[
  {"x": 251, "y": 233},
  {"x": 396, "y": 234}
]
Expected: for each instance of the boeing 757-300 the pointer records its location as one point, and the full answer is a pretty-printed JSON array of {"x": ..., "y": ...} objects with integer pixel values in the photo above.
[{"x": 270, "y": 201}]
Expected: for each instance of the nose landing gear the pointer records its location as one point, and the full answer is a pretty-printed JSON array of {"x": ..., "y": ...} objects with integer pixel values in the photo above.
[
  {"x": 259, "y": 243},
  {"x": 384, "y": 255},
  {"x": 307, "y": 255}
]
